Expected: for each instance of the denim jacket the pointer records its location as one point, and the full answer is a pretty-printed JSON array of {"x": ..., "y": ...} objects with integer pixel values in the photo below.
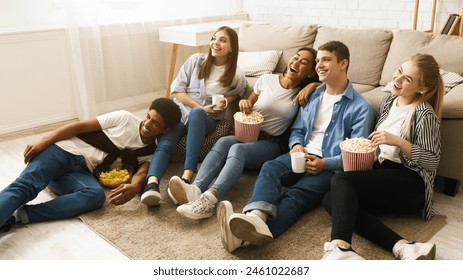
[{"x": 352, "y": 117}]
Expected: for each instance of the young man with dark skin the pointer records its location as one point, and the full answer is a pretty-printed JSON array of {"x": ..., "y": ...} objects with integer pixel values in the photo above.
[{"x": 65, "y": 159}]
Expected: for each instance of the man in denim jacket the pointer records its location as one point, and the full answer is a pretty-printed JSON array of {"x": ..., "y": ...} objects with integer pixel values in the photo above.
[{"x": 334, "y": 112}]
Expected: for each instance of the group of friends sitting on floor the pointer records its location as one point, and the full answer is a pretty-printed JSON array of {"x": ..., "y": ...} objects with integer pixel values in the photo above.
[{"x": 311, "y": 108}]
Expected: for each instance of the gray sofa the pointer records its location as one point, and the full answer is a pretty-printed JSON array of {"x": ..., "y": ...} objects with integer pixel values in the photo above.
[{"x": 375, "y": 55}]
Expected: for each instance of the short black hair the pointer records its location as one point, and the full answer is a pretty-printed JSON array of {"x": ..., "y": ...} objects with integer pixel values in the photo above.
[{"x": 169, "y": 111}]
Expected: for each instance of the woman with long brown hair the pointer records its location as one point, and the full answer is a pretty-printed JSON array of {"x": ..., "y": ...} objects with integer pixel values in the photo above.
[{"x": 200, "y": 78}]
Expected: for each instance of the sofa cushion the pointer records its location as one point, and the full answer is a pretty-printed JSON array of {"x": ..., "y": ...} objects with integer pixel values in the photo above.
[
  {"x": 375, "y": 96},
  {"x": 453, "y": 104},
  {"x": 447, "y": 50},
  {"x": 285, "y": 38},
  {"x": 368, "y": 50},
  {"x": 255, "y": 64}
]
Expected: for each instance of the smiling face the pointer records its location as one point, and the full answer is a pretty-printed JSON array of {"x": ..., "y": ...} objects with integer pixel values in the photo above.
[
  {"x": 220, "y": 46},
  {"x": 406, "y": 82},
  {"x": 328, "y": 68},
  {"x": 300, "y": 66},
  {"x": 152, "y": 126}
]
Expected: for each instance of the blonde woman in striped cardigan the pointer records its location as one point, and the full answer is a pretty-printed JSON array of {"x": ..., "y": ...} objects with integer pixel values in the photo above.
[{"x": 402, "y": 180}]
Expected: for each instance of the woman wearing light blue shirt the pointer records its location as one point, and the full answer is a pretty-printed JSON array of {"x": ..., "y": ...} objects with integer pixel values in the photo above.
[{"x": 200, "y": 77}]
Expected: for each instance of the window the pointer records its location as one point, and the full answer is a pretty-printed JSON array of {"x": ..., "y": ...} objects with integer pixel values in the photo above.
[{"x": 53, "y": 13}]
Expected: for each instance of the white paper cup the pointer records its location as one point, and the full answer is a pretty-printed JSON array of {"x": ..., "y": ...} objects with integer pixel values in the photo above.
[
  {"x": 217, "y": 99},
  {"x": 298, "y": 162}
]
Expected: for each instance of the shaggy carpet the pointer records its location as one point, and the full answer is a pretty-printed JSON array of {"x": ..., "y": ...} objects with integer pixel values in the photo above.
[{"x": 160, "y": 233}]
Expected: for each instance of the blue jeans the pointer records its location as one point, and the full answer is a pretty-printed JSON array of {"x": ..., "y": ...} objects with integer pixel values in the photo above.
[
  {"x": 304, "y": 192},
  {"x": 201, "y": 124},
  {"x": 65, "y": 174},
  {"x": 227, "y": 160},
  {"x": 164, "y": 151}
]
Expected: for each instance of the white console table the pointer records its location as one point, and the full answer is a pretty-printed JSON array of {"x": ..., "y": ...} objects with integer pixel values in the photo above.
[{"x": 194, "y": 35}]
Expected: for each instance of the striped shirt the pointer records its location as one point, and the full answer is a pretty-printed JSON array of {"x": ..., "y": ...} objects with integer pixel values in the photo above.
[{"x": 425, "y": 146}]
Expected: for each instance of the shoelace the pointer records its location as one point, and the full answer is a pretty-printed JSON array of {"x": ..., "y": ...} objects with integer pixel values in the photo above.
[
  {"x": 151, "y": 186},
  {"x": 201, "y": 203}
]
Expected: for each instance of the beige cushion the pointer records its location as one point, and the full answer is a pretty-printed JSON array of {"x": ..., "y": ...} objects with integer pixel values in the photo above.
[
  {"x": 368, "y": 50},
  {"x": 255, "y": 64},
  {"x": 453, "y": 104},
  {"x": 285, "y": 38},
  {"x": 374, "y": 97},
  {"x": 447, "y": 50}
]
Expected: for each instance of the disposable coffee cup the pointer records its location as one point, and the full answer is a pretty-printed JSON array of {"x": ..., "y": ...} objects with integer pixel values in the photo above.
[
  {"x": 298, "y": 162},
  {"x": 217, "y": 101}
]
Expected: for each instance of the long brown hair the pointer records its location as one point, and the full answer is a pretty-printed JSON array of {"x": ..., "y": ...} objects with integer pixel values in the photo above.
[
  {"x": 230, "y": 68},
  {"x": 431, "y": 80}
]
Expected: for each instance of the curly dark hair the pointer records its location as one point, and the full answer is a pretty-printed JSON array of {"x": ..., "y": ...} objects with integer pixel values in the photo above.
[{"x": 169, "y": 111}]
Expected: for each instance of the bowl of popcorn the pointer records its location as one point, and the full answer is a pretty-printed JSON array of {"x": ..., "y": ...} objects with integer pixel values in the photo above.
[
  {"x": 358, "y": 154},
  {"x": 247, "y": 127},
  {"x": 112, "y": 176}
]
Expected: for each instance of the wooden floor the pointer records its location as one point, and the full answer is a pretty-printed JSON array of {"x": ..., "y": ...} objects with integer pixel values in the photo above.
[{"x": 73, "y": 240}]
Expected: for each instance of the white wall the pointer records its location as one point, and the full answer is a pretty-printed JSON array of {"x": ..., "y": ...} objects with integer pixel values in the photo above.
[
  {"x": 391, "y": 14},
  {"x": 35, "y": 80}
]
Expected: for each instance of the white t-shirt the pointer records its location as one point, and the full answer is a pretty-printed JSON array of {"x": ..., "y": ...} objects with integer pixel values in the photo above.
[
  {"x": 275, "y": 103},
  {"x": 393, "y": 124},
  {"x": 212, "y": 84},
  {"x": 321, "y": 122},
  {"x": 121, "y": 127}
]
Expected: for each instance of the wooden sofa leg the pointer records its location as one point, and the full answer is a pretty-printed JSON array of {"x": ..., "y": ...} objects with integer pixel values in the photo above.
[{"x": 451, "y": 186}]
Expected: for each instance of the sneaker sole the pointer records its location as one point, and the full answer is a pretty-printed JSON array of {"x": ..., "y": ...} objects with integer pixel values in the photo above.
[
  {"x": 172, "y": 197},
  {"x": 224, "y": 211},
  {"x": 246, "y": 231},
  {"x": 430, "y": 255},
  {"x": 188, "y": 214},
  {"x": 178, "y": 192},
  {"x": 151, "y": 198}
]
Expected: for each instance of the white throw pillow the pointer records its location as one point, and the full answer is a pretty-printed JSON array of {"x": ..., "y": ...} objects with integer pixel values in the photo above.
[
  {"x": 255, "y": 64},
  {"x": 450, "y": 80}
]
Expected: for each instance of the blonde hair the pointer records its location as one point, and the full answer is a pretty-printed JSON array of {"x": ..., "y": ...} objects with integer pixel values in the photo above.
[{"x": 431, "y": 80}]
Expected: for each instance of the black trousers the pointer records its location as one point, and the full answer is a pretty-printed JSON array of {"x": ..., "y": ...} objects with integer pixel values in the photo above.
[{"x": 357, "y": 198}]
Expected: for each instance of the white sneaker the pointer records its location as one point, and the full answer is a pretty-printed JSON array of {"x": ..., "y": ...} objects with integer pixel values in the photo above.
[
  {"x": 229, "y": 241},
  {"x": 250, "y": 228},
  {"x": 172, "y": 197},
  {"x": 151, "y": 195},
  {"x": 334, "y": 252},
  {"x": 415, "y": 251},
  {"x": 181, "y": 191},
  {"x": 200, "y": 208}
]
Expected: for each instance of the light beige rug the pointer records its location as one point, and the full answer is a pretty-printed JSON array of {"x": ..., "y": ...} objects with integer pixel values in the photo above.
[{"x": 160, "y": 233}]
